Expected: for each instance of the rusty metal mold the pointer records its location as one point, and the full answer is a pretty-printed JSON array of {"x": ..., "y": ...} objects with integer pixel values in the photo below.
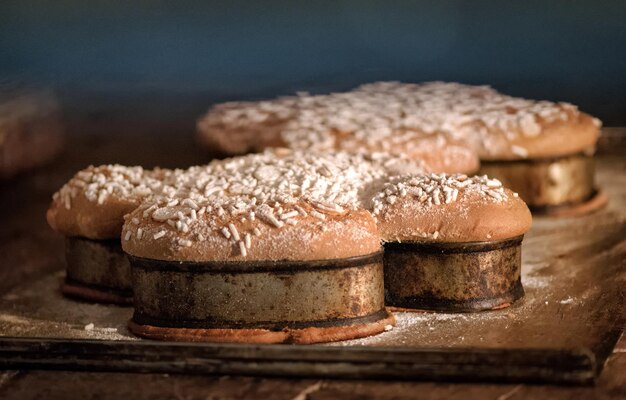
[
  {"x": 453, "y": 277},
  {"x": 249, "y": 296},
  {"x": 97, "y": 270},
  {"x": 597, "y": 201},
  {"x": 546, "y": 183}
]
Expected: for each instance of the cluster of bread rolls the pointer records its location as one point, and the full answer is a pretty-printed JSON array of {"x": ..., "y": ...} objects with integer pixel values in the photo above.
[
  {"x": 540, "y": 149},
  {"x": 230, "y": 208},
  {"x": 279, "y": 206},
  {"x": 291, "y": 243}
]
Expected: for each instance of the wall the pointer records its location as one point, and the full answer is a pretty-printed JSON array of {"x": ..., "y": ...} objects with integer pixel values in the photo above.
[{"x": 196, "y": 52}]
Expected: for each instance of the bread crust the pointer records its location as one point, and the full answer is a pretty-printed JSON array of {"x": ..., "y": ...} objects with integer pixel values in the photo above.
[
  {"x": 241, "y": 127},
  {"x": 438, "y": 153},
  {"x": 89, "y": 219},
  {"x": 228, "y": 128},
  {"x": 270, "y": 206},
  {"x": 474, "y": 216},
  {"x": 463, "y": 121},
  {"x": 578, "y": 133},
  {"x": 350, "y": 234},
  {"x": 92, "y": 204}
]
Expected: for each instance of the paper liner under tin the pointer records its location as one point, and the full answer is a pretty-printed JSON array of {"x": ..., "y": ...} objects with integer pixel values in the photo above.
[{"x": 310, "y": 335}]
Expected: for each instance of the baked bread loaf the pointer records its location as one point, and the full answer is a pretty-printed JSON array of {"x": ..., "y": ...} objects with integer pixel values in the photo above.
[
  {"x": 31, "y": 131},
  {"x": 216, "y": 249},
  {"x": 242, "y": 127},
  {"x": 357, "y": 121},
  {"x": 498, "y": 126},
  {"x": 540, "y": 149},
  {"x": 273, "y": 247},
  {"x": 256, "y": 194},
  {"x": 406, "y": 118},
  {"x": 89, "y": 210},
  {"x": 453, "y": 243},
  {"x": 93, "y": 203},
  {"x": 449, "y": 208},
  {"x": 300, "y": 232}
]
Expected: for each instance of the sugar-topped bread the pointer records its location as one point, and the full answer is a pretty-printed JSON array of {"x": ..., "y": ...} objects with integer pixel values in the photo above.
[
  {"x": 498, "y": 126},
  {"x": 449, "y": 208},
  {"x": 445, "y": 124},
  {"x": 356, "y": 121},
  {"x": 93, "y": 202},
  {"x": 273, "y": 205}
]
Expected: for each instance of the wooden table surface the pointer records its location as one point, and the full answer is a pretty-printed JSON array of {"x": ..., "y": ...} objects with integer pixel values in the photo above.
[{"x": 97, "y": 140}]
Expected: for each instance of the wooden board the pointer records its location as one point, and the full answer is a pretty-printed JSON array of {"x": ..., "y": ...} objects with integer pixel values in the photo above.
[{"x": 574, "y": 272}]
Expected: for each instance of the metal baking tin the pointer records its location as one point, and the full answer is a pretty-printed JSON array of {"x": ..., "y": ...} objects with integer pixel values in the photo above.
[
  {"x": 97, "y": 270},
  {"x": 271, "y": 295},
  {"x": 546, "y": 183},
  {"x": 453, "y": 277}
]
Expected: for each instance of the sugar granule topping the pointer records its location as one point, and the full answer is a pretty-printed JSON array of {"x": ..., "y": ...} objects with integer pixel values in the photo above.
[
  {"x": 384, "y": 114},
  {"x": 388, "y": 115},
  {"x": 245, "y": 113},
  {"x": 128, "y": 183},
  {"x": 275, "y": 188},
  {"x": 433, "y": 190}
]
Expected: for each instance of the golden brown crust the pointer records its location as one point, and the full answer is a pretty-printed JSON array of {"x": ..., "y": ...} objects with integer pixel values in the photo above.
[
  {"x": 93, "y": 203},
  {"x": 89, "y": 219},
  {"x": 469, "y": 220},
  {"x": 311, "y": 123},
  {"x": 474, "y": 215},
  {"x": 436, "y": 152},
  {"x": 498, "y": 126},
  {"x": 236, "y": 128},
  {"x": 448, "y": 157},
  {"x": 271, "y": 206},
  {"x": 463, "y": 121},
  {"x": 241, "y": 140},
  {"x": 451, "y": 158},
  {"x": 353, "y": 233},
  {"x": 263, "y": 336},
  {"x": 577, "y": 134}
]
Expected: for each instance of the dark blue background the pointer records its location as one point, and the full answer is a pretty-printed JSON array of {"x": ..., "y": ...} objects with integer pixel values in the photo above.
[{"x": 185, "y": 54}]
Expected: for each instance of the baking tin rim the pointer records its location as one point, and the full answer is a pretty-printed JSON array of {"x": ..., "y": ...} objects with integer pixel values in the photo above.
[{"x": 285, "y": 266}]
